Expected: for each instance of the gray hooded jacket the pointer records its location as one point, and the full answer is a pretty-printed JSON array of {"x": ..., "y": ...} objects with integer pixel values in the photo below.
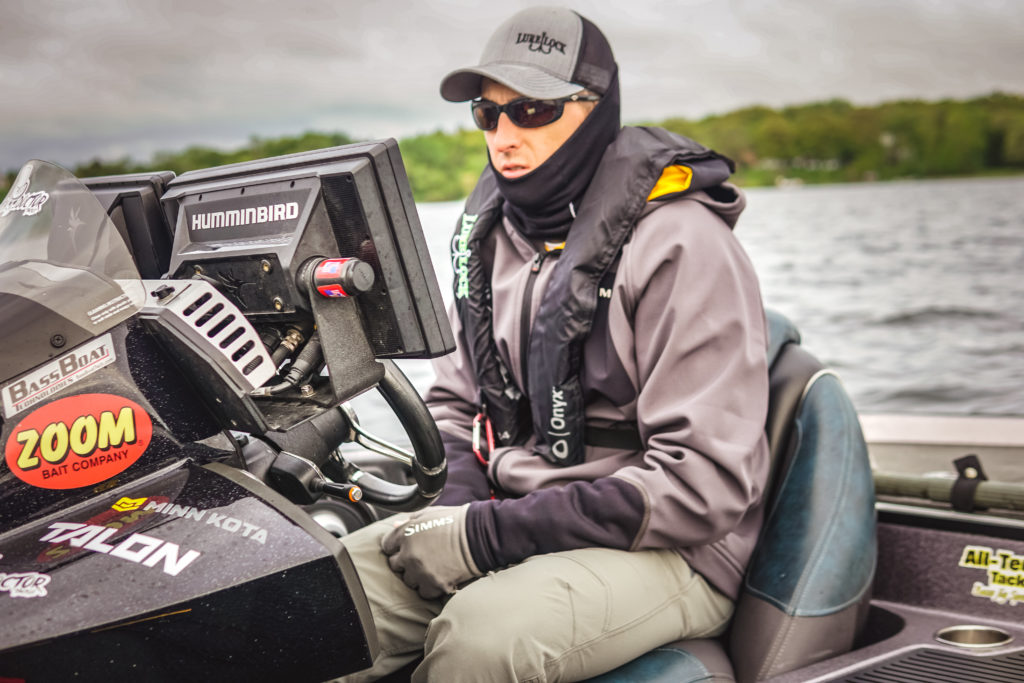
[{"x": 677, "y": 349}]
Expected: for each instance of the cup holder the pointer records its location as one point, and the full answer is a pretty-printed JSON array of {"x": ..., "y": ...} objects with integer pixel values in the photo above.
[{"x": 972, "y": 636}]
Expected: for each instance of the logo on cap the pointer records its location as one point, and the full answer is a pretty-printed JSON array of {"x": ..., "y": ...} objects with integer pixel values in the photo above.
[{"x": 541, "y": 43}]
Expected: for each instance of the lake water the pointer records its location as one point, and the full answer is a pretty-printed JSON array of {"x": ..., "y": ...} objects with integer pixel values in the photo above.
[{"x": 912, "y": 291}]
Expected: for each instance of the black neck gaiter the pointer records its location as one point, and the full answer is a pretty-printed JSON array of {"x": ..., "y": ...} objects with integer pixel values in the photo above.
[{"x": 538, "y": 202}]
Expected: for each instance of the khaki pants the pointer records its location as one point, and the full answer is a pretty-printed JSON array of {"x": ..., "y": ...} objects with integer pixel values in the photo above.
[{"x": 560, "y": 617}]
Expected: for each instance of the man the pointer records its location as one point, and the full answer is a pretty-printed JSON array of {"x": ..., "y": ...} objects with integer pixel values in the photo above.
[{"x": 604, "y": 412}]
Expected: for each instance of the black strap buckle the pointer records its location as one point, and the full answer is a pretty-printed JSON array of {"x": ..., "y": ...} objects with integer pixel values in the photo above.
[
  {"x": 625, "y": 438},
  {"x": 970, "y": 474}
]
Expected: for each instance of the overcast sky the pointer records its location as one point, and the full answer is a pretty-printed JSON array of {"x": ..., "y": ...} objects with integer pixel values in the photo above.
[{"x": 109, "y": 78}]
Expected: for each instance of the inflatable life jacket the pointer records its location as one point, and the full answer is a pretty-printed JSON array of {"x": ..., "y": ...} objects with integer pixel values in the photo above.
[{"x": 642, "y": 164}]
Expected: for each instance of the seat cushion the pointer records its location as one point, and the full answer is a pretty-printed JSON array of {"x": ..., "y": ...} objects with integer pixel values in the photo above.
[
  {"x": 809, "y": 580},
  {"x": 685, "y": 661}
]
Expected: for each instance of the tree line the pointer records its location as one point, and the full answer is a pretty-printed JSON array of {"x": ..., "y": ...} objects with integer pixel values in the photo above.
[{"x": 832, "y": 141}]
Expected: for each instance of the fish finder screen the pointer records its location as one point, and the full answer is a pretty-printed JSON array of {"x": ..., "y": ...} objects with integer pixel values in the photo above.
[{"x": 251, "y": 227}]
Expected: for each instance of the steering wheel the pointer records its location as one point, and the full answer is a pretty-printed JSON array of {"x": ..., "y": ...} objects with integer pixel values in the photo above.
[
  {"x": 428, "y": 465},
  {"x": 307, "y": 460}
]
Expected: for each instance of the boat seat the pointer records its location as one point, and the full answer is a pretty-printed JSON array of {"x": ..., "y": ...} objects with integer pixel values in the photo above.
[{"x": 806, "y": 592}]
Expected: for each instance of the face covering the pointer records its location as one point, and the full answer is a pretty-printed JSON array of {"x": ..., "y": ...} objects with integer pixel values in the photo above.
[{"x": 538, "y": 203}]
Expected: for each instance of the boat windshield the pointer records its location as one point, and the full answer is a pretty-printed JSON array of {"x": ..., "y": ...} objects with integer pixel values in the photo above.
[{"x": 66, "y": 274}]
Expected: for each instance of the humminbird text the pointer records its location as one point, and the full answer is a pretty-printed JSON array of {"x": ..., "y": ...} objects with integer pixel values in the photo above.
[{"x": 251, "y": 216}]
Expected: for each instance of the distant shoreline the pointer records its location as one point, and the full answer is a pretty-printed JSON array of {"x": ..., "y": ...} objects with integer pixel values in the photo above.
[
  {"x": 783, "y": 182},
  {"x": 818, "y": 143}
]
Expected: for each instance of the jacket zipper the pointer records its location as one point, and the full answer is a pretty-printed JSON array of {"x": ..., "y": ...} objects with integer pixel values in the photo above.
[{"x": 524, "y": 317}]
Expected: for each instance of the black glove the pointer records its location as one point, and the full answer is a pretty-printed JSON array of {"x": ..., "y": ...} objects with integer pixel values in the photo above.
[{"x": 430, "y": 552}]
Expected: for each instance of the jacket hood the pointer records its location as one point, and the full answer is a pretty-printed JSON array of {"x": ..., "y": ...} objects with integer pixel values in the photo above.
[{"x": 726, "y": 201}]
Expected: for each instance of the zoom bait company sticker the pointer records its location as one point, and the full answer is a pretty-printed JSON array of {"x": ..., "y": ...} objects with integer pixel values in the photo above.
[
  {"x": 78, "y": 441},
  {"x": 1005, "y": 573}
]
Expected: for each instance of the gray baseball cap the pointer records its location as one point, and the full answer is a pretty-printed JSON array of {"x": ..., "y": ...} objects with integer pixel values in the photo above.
[{"x": 543, "y": 52}]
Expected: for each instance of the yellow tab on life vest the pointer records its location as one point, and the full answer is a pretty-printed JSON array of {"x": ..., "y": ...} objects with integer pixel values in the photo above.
[
  {"x": 554, "y": 246},
  {"x": 673, "y": 179}
]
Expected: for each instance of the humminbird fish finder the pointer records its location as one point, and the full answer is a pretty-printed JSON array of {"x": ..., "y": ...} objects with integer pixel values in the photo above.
[{"x": 318, "y": 249}]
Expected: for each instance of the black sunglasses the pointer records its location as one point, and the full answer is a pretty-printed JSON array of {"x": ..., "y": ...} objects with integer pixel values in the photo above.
[{"x": 525, "y": 112}]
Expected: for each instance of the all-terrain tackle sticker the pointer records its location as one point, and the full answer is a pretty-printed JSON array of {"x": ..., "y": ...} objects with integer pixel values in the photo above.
[
  {"x": 1004, "y": 573},
  {"x": 78, "y": 441}
]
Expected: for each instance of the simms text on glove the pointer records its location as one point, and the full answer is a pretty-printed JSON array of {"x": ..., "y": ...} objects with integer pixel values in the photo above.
[{"x": 430, "y": 552}]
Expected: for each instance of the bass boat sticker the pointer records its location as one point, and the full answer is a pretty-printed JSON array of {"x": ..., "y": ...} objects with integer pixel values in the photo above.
[
  {"x": 78, "y": 441},
  {"x": 45, "y": 381}
]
